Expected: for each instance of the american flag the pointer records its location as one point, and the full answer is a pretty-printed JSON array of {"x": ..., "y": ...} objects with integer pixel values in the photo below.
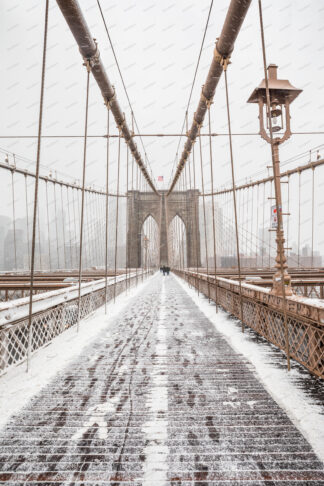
[{"x": 160, "y": 178}]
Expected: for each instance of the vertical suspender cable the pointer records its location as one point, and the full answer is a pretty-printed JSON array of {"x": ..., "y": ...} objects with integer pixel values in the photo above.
[
  {"x": 27, "y": 221},
  {"x": 288, "y": 211},
  {"x": 57, "y": 238},
  {"x": 117, "y": 215},
  {"x": 69, "y": 219},
  {"x": 213, "y": 203},
  {"x": 127, "y": 222},
  {"x": 257, "y": 229},
  {"x": 83, "y": 191},
  {"x": 40, "y": 120},
  {"x": 97, "y": 240},
  {"x": 142, "y": 236},
  {"x": 204, "y": 210},
  {"x": 299, "y": 211},
  {"x": 75, "y": 259},
  {"x": 39, "y": 242},
  {"x": 48, "y": 227},
  {"x": 107, "y": 209},
  {"x": 269, "y": 239},
  {"x": 313, "y": 200},
  {"x": 234, "y": 194},
  {"x": 14, "y": 215},
  {"x": 263, "y": 206},
  {"x": 63, "y": 227},
  {"x": 197, "y": 235},
  {"x": 252, "y": 205},
  {"x": 101, "y": 231}
]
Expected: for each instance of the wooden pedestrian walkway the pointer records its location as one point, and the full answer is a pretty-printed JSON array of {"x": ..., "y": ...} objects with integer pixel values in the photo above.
[{"x": 160, "y": 398}]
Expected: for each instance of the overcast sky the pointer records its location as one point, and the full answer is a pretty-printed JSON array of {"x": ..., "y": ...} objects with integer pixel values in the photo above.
[{"x": 157, "y": 45}]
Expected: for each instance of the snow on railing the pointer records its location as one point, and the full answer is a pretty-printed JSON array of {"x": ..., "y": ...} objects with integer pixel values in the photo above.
[{"x": 53, "y": 313}]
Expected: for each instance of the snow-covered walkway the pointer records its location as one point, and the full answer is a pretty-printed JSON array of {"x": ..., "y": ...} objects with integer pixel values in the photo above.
[{"x": 159, "y": 398}]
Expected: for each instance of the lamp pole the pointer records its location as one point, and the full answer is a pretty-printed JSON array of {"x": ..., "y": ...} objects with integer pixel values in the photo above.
[
  {"x": 275, "y": 94},
  {"x": 281, "y": 259}
]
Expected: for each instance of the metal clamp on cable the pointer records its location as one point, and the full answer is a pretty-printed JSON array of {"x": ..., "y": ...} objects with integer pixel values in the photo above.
[
  {"x": 198, "y": 125},
  {"x": 208, "y": 101},
  {"x": 91, "y": 61},
  {"x": 108, "y": 102},
  {"x": 121, "y": 125},
  {"x": 222, "y": 60}
]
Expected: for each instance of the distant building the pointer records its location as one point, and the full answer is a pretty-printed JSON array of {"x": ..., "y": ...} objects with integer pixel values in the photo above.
[
  {"x": 248, "y": 261},
  {"x": 228, "y": 261},
  {"x": 5, "y": 223},
  {"x": 305, "y": 260},
  {"x": 14, "y": 250}
]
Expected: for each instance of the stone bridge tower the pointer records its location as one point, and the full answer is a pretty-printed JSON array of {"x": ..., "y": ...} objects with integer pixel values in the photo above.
[{"x": 163, "y": 208}]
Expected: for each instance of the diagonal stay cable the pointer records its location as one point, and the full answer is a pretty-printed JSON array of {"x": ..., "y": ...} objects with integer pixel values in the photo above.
[
  {"x": 121, "y": 76},
  {"x": 193, "y": 83}
]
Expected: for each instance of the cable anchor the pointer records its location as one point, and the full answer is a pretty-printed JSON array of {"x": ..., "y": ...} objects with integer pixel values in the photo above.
[{"x": 90, "y": 62}]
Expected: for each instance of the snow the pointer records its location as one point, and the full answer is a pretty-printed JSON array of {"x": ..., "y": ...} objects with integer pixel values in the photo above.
[
  {"x": 19, "y": 308},
  {"x": 156, "y": 428},
  {"x": 97, "y": 417},
  {"x": 305, "y": 414},
  {"x": 266, "y": 290},
  {"x": 17, "y": 387},
  {"x": 309, "y": 301}
]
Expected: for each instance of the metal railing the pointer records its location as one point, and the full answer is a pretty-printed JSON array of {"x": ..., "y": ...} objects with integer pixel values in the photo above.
[
  {"x": 263, "y": 312},
  {"x": 54, "y": 313}
]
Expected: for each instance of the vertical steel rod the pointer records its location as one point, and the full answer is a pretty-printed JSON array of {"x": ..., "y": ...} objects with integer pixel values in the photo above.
[
  {"x": 83, "y": 192},
  {"x": 40, "y": 124},
  {"x": 107, "y": 209},
  {"x": 234, "y": 196}
]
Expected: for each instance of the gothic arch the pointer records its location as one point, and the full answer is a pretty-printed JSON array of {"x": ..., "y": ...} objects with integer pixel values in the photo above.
[{"x": 162, "y": 208}]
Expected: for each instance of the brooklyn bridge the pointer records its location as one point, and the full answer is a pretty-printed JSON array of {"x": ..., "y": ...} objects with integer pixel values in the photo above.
[{"x": 161, "y": 243}]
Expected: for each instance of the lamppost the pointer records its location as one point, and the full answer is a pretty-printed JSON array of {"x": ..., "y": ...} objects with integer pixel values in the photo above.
[{"x": 281, "y": 94}]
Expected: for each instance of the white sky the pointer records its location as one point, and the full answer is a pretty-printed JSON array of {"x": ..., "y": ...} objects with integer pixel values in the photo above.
[{"x": 157, "y": 45}]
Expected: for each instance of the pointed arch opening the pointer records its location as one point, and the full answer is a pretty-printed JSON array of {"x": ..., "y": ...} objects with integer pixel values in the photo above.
[
  {"x": 150, "y": 243},
  {"x": 177, "y": 243}
]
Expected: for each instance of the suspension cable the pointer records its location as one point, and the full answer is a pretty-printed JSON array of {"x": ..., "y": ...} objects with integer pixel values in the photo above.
[
  {"x": 234, "y": 193},
  {"x": 299, "y": 214},
  {"x": 56, "y": 228},
  {"x": 27, "y": 221},
  {"x": 40, "y": 120},
  {"x": 107, "y": 208},
  {"x": 63, "y": 227},
  {"x": 83, "y": 190},
  {"x": 69, "y": 221},
  {"x": 185, "y": 121},
  {"x": 127, "y": 223},
  {"x": 204, "y": 211},
  {"x": 48, "y": 227},
  {"x": 313, "y": 206},
  {"x": 117, "y": 215},
  {"x": 122, "y": 79},
  {"x": 75, "y": 259},
  {"x": 14, "y": 216},
  {"x": 213, "y": 204}
]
